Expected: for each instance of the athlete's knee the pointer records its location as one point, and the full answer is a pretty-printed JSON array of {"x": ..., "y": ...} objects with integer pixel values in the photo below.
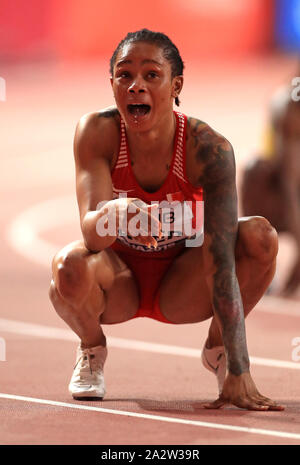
[
  {"x": 258, "y": 238},
  {"x": 71, "y": 275},
  {"x": 53, "y": 292},
  {"x": 58, "y": 302}
]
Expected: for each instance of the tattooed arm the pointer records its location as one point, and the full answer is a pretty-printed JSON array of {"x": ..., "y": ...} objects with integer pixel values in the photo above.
[
  {"x": 221, "y": 224},
  {"x": 219, "y": 252},
  {"x": 213, "y": 168},
  {"x": 215, "y": 172}
]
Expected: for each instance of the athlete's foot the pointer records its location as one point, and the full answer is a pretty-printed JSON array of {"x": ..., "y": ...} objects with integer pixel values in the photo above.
[
  {"x": 87, "y": 380},
  {"x": 214, "y": 359}
]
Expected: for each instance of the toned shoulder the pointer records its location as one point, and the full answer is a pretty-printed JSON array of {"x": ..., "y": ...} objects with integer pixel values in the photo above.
[
  {"x": 97, "y": 134},
  {"x": 209, "y": 154}
]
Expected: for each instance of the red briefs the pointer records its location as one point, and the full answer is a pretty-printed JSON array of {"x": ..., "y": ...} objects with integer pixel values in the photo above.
[{"x": 148, "y": 269}]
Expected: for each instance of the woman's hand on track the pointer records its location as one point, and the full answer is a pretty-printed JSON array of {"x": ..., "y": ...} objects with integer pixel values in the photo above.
[{"x": 242, "y": 392}]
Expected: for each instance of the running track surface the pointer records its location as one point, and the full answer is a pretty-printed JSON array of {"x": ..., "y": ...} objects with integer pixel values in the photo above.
[{"x": 155, "y": 381}]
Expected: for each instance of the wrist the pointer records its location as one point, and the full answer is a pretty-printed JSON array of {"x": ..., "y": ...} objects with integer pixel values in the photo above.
[{"x": 238, "y": 366}]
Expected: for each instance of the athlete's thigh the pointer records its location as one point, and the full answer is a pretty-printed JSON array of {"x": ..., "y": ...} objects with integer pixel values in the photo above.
[
  {"x": 107, "y": 271},
  {"x": 183, "y": 293},
  {"x": 122, "y": 294}
]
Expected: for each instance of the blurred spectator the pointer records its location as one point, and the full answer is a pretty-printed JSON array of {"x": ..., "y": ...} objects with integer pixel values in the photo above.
[{"x": 271, "y": 182}]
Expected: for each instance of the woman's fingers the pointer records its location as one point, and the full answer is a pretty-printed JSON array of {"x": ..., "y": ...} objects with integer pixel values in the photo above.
[
  {"x": 262, "y": 400},
  {"x": 219, "y": 403},
  {"x": 249, "y": 403}
]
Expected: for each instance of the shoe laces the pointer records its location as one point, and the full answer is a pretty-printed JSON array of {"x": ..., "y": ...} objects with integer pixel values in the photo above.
[{"x": 88, "y": 364}]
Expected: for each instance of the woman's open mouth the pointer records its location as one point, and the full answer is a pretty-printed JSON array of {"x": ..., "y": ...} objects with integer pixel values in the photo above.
[{"x": 138, "y": 109}]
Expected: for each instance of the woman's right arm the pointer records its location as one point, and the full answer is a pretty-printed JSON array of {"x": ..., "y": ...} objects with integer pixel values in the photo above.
[
  {"x": 93, "y": 149},
  {"x": 96, "y": 140}
]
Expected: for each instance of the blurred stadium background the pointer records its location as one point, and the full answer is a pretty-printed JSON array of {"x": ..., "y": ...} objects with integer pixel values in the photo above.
[{"x": 54, "y": 57}]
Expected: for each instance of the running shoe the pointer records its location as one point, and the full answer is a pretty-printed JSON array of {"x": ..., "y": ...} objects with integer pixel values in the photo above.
[
  {"x": 215, "y": 361},
  {"x": 87, "y": 380}
]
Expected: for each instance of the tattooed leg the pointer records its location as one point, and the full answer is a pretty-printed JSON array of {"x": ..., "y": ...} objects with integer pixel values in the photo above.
[{"x": 255, "y": 254}]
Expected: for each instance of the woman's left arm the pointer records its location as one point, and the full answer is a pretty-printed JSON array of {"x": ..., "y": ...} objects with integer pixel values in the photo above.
[{"x": 220, "y": 228}]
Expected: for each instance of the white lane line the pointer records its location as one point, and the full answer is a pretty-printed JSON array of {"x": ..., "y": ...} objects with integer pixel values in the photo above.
[
  {"x": 23, "y": 235},
  {"x": 144, "y": 416},
  {"x": 48, "y": 332}
]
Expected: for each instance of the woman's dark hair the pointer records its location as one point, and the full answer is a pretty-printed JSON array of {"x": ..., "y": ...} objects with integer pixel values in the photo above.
[{"x": 170, "y": 51}]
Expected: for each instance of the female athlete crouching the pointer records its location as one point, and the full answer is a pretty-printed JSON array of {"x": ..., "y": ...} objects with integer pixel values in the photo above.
[{"x": 147, "y": 152}]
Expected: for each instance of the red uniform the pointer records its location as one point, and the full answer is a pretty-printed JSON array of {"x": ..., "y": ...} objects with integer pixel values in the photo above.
[{"x": 150, "y": 265}]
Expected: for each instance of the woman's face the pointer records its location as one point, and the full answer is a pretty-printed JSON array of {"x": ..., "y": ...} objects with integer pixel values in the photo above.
[{"x": 143, "y": 86}]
